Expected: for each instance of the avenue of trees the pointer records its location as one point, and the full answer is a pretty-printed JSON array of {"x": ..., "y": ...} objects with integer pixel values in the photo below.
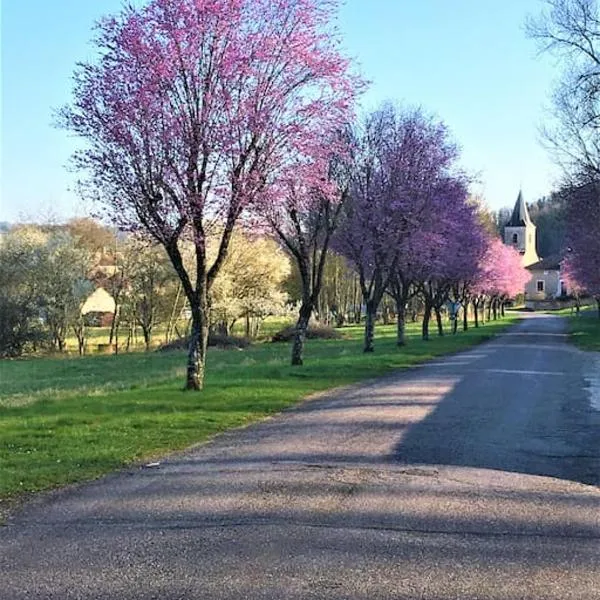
[
  {"x": 570, "y": 30},
  {"x": 47, "y": 272},
  {"x": 207, "y": 122}
]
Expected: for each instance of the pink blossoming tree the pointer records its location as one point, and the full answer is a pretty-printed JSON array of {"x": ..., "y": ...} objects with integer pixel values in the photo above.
[
  {"x": 405, "y": 172},
  {"x": 501, "y": 277},
  {"x": 583, "y": 231},
  {"x": 449, "y": 253},
  {"x": 189, "y": 114},
  {"x": 303, "y": 210}
]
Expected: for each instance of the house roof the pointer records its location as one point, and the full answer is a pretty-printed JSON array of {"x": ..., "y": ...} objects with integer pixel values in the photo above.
[
  {"x": 520, "y": 214},
  {"x": 99, "y": 301},
  {"x": 550, "y": 263}
]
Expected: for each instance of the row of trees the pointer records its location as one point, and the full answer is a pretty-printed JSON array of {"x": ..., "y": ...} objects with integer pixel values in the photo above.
[
  {"x": 570, "y": 29},
  {"x": 48, "y": 272},
  {"x": 202, "y": 118}
]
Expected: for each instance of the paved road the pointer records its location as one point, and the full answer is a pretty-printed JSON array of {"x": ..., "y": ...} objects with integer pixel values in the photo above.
[{"x": 472, "y": 478}]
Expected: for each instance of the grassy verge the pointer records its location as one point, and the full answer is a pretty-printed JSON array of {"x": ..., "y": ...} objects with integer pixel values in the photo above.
[
  {"x": 585, "y": 330},
  {"x": 67, "y": 420}
]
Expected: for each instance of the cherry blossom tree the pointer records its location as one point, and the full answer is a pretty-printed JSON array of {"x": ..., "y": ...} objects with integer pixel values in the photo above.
[
  {"x": 501, "y": 277},
  {"x": 575, "y": 289},
  {"x": 583, "y": 235},
  {"x": 404, "y": 163},
  {"x": 191, "y": 110},
  {"x": 450, "y": 252},
  {"x": 303, "y": 212}
]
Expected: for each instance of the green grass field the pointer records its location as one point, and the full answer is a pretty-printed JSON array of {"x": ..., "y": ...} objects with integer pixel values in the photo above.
[
  {"x": 585, "y": 330},
  {"x": 70, "y": 419}
]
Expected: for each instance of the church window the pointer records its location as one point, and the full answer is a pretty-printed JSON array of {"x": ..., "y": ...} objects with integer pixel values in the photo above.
[
  {"x": 540, "y": 285},
  {"x": 515, "y": 238}
]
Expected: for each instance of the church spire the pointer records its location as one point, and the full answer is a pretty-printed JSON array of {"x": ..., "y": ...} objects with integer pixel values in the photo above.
[{"x": 520, "y": 214}]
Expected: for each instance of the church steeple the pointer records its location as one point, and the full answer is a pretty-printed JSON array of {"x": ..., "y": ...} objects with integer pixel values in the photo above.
[
  {"x": 520, "y": 214},
  {"x": 520, "y": 232}
]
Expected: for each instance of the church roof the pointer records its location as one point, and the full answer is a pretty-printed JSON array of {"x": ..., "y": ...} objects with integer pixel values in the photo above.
[
  {"x": 550, "y": 263},
  {"x": 520, "y": 214}
]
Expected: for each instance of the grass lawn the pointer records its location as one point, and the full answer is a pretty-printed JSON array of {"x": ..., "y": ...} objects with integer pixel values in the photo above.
[
  {"x": 71, "y": 419},
  {"x": 585, "y": 330}
]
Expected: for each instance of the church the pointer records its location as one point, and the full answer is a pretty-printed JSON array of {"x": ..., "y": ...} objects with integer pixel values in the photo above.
[{"x": 546, "y": 287}]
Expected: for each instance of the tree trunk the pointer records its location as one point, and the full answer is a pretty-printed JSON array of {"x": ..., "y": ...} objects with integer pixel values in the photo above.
[
  {"x": 81, "y": 338},
  {"x": 198, "y": 345},
  {"x": 60, "y": 341},
  {"x": 438, "y": 318},
  {"x": 147, "y": 333},
  {"x": 401, "y": 324},
  {"x": 129, "y": 336},
  {"x": 495, "y": 309},
  {"x": 489, "y": 311},
  {"x": 81, "y": 342},
  {"x": 476, "y": 312},
  {"x": 173, "y": 315},
  {"x": 300, "y": 334},
  {"x": 598, "y": 305},
  {"x": 386, "y": 315},
  {"x": 370, "y": 326},
  {"x": 426, "y": 318},
  {"x": 114, "y": 328},
  {"x": 113, "y": 325},
  {"x": 465, "y": 315}
]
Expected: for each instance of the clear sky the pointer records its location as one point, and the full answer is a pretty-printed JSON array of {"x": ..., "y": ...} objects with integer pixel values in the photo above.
[{"x": 467, "y": 61}]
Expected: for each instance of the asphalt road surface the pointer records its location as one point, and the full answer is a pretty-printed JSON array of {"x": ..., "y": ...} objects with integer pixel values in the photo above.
[{"x": 472, "y": 478}]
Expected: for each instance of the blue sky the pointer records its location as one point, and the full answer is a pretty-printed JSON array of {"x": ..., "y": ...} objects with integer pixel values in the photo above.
[{"x": 467, "y": 61}]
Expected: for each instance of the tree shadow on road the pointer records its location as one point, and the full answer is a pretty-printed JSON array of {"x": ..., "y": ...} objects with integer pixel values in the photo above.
[{"x": 537, "y": 431}]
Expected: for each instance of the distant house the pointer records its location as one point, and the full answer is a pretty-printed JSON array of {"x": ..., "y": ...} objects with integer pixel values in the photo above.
[
  {"x": 546, "y": 285},
  {"x": 100, "y": 305}
]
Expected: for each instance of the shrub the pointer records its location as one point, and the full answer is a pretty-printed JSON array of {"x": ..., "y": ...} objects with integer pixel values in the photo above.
[
  {"x": 20, "y": 327},
  {"x": 314, "y": 332},
  {"x": 215, "y": 340}
]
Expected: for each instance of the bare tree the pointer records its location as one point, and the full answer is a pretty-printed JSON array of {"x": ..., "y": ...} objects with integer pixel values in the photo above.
[{"x": 570, "y": 30}]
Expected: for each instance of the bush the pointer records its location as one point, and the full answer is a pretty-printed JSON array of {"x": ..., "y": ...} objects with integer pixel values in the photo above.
[
  {"x": 215, "y": 340},
  {"x": 20, "y": 328},
  {"x": 314, "y": 332}
]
